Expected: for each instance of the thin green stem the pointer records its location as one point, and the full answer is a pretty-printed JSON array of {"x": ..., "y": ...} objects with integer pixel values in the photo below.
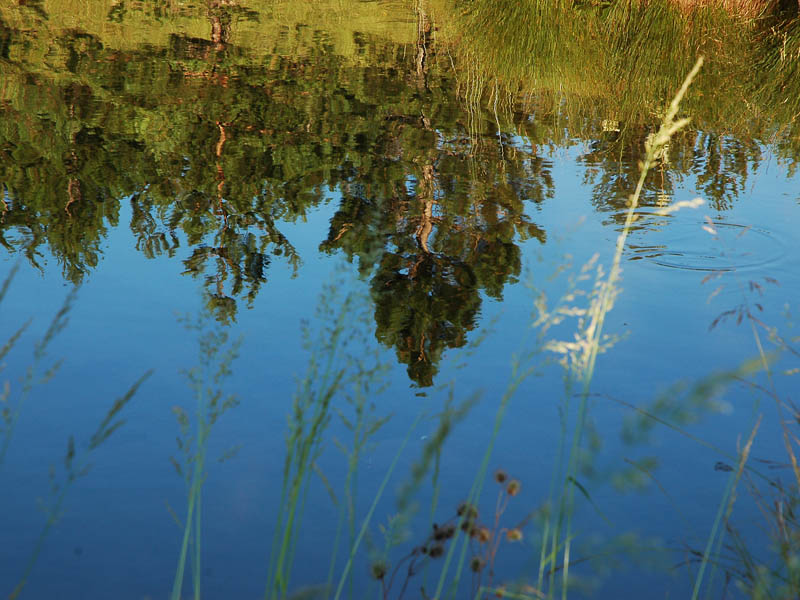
[{"x": 349, "y": 565}]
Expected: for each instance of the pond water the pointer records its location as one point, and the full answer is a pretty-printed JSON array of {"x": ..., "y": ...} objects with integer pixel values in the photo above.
[{"x": 338, "y": 232}]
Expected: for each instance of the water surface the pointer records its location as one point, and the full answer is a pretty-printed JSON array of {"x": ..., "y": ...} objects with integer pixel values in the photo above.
[{"x": 349, "y": 169}]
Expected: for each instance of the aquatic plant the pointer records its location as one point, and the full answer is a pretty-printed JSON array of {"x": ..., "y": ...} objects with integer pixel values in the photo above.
[
  {"x": 334, "y": 372},
  {"x": 485, "y": 543}
]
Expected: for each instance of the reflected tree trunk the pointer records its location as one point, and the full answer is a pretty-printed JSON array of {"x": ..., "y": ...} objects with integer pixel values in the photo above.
[
  {"x": 424, "y": 32},
  {"x": 220, "y": 171},
  {"x": 425, "y": 192},
  {"x": 220, "y": 23},
  {"x": 426, "y": 186},
  {"x": 74, "y": 194}
]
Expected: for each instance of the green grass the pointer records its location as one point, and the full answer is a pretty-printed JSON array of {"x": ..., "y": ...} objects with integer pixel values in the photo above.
[
  {"x": 589, "y": 62},
  {"x": 216, "y": 355}
]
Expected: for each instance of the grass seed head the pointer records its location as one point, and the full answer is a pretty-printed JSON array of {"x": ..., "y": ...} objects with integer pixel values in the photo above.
[
  {"x": 468, "y": 510},
  {"x": 378, "y": 569},
  {"x": 476, "y": 564},
  {"x": 444, "y": 533},
  {"x": 482, "y": 534}
]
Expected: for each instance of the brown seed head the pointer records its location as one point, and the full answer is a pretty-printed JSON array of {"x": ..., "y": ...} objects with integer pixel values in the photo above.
[
  {"x": 500, "y": 476},
  {"x": 477, "y": 563},
  {"x": 378, "y": 569},
  {"x": 514, "y": 535},
  {"x": 513, "y": 487},
  {"x": 465, "y": 508},
  {"x": 444, "y": 533},
  {"x": 483, "y": 534}
]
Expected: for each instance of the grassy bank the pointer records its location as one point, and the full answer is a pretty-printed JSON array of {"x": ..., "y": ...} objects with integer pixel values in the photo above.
[{"x": 614, "y": 62}]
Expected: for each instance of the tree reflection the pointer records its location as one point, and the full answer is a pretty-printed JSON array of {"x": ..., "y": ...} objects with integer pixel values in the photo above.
[{"x": 216, "y": 145}]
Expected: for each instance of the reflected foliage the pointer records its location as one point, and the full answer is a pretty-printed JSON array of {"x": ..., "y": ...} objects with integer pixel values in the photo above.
[
  {"x": 213, "y": 124},
  {"x": 601, "y": 71}
]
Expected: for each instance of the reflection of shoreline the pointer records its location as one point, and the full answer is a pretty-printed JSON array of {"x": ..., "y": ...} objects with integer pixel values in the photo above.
[
  {"x": 220, "y": 146},
  {"x": 217, "y": 158},
  {"x": 615, "y": 63}
]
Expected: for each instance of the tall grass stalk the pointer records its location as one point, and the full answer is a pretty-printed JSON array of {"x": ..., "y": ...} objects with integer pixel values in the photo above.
[
  {"x": 429, "y": 462},
  {"x": 331, "y": 370},
  {"x": 590, "y": 342},
  {"x": 366, "y": 382},
  {"x": 787, "y": 438},
  {"x": 310, "y": 416},
  {"x": 723, "y": 513},
  {"x": 521, "y": 369},
  {"x": 76, "y": 466},
  {"x": 217, "y": 354},
  {"x": 368, "y": 518},
  {"x": 76, "y": 461}
]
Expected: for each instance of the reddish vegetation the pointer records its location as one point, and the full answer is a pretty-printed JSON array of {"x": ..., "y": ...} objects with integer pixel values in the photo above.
[{"x": 744, "y": 8}]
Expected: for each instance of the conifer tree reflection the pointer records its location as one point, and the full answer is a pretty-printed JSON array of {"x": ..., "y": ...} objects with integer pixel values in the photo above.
[{"x": 437, "y": 225}]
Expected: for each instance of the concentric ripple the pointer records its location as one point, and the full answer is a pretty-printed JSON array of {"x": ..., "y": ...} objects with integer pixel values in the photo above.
[{"x": 691, "y": 247}]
